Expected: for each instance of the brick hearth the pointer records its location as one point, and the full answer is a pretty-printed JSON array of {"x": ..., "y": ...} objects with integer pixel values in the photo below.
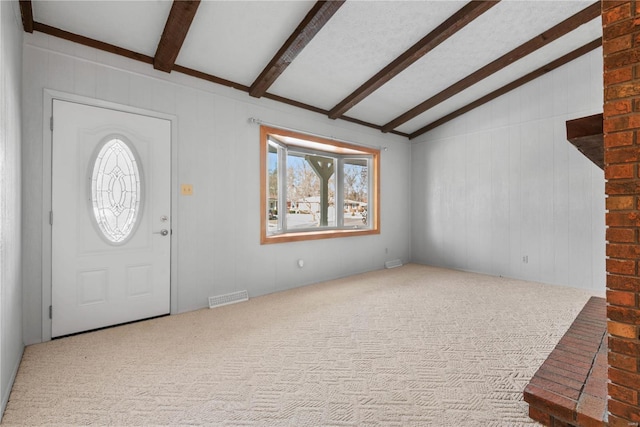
[{"x": 570, "y": 388}]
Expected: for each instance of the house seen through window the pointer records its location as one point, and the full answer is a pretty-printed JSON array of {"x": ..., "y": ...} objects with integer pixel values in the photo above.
[{"x": 316, "y": 188}]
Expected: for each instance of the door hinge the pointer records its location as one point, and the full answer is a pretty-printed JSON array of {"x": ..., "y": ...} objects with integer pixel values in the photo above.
[
  {"x": 51, "y": 123},
  {"x": 50, "y": 312},
  {"x": 50, "y": 217}
]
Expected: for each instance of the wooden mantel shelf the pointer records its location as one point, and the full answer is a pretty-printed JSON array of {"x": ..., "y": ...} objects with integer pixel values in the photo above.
[{"x": 586, "y": 133}]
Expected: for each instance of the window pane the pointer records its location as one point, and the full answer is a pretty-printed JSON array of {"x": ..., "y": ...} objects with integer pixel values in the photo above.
[
  {"x": 356, "y": 192},
  {"x": 115, "y": 191},
  {"x": 273, "y": 186},
  {"x": 307, "y": 205}
]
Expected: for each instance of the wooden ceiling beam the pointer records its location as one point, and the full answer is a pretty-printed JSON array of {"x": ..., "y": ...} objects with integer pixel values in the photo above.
[
  {"x": 86, "y": 41},
  {"x": 318, "y": 110},
  {"x": 76, "y": 38},
  {"x": 175, "y": 31},
  {"x": 511, "y": 86},
  {"x": 312, "y": 23},
  {"x": 26, "y": 11},
  {"x": 210, "y": 78},
  {"x": 559, "y": 30},
  {"x": 448, "y": 28}
]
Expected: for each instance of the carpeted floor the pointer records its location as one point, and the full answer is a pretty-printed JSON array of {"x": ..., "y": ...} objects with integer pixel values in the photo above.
[{"x": 411, "y": 346}]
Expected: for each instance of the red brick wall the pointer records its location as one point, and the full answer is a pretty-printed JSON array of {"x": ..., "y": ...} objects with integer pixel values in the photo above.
[{"x": 621, "y": 47}]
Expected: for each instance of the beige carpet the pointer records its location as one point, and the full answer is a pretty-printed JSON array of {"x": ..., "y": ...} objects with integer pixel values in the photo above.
[{"x": 411, "y": 346}]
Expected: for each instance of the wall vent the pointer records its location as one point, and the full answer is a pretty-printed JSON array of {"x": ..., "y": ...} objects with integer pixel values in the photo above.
[
  {"x": 226, "y": 299},
  {"x": 393, "y": 263}
]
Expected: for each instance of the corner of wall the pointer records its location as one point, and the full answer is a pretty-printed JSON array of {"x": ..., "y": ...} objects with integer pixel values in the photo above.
[
  {"x": 500, "y": 190},
  {"x": 11, "y": 340}
]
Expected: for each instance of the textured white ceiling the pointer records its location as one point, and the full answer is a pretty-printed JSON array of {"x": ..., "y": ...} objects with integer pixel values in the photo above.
[
  {"x": 501, "y": 29},
  {"x": 133, "y": 25},
  {"x": 360, "y": 40},
  {"x": 543, "y": 56},
  {"x": 235, "y": 40}
]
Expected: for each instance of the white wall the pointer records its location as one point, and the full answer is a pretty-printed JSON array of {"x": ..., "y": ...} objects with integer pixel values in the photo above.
[
  {"x": 502, "y": 182},
  {"x": 218, "y": 228},
  {"x": 11, "y": 344}
]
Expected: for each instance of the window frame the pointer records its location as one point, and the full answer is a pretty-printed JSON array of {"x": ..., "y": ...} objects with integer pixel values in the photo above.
[{"x": 373, "y": 210}]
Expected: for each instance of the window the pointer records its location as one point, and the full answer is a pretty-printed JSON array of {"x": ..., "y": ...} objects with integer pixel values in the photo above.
[
  {"x": 115, "y": 190},
  {"x": 316, "y": 188}
]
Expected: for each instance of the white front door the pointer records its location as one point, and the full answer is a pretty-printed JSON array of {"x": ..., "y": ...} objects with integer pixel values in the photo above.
[{"x": 111, "y": 224}]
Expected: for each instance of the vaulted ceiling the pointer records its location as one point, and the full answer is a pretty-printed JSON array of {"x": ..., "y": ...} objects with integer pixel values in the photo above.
[{"x": 398, "y": 66}]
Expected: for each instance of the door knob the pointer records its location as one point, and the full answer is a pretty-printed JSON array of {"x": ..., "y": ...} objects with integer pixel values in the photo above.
[{"x": 162, "y": 232}]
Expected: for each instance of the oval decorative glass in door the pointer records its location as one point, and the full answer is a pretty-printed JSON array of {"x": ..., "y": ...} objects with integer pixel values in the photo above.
[{"x": 116, "y": 190}]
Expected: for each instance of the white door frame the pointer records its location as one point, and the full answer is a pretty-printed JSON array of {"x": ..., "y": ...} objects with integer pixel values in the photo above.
[{"x": 47, "y": 135}]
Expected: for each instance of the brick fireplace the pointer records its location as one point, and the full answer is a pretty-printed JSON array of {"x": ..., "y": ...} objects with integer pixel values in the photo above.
[{"x": 621, "y": 50}]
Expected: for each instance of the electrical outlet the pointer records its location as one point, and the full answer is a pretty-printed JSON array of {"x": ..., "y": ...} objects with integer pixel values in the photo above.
[{"x": 186, "y": 190}]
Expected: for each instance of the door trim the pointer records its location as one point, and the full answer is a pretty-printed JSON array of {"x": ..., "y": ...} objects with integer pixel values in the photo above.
[{"x": 47, "y": 136}]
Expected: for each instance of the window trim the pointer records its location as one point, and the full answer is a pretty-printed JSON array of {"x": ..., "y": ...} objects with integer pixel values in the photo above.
[{"x": 295, "y": 236}]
